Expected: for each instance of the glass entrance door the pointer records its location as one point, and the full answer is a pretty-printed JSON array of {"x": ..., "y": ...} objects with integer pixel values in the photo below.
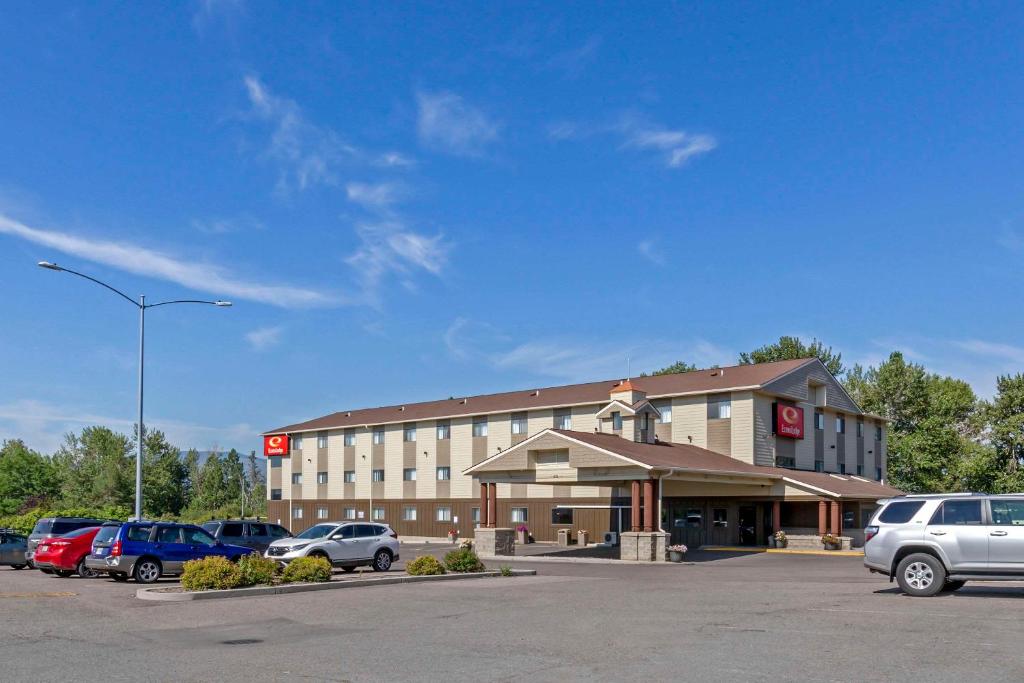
[{"x": 748, "y": 525}]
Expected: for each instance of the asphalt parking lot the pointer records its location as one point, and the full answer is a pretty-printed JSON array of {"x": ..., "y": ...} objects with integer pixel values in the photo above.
[{"x": 724, "y": 618}]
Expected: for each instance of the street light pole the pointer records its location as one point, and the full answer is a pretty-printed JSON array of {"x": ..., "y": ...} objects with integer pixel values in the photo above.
[{"x": 142, "y": 306}]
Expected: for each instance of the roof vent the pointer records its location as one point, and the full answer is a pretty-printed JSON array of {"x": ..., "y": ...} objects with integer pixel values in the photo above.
[
  {"x": 535, "y": 392},
  {"x": 464, "y": 401},
  {"x": 348, "y": 414},
  {"x": 402, "y": 408}
]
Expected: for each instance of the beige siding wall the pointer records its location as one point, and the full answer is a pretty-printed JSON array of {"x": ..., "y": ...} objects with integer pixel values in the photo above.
[
  {"x": 690, "y": 419},
  {"x": 499, "y": 435},
  {"x": 805, "y": 447},
  {"x": 309, "y": 467},
  {"x": 336, "y": 464},
  {"x": 462, "y": 457},
  {"x": 743, "y": 426},
  {"x": 851, "y": 445},
  {"x": 393, "y": 461},
  {"x": 584, "y": 418},
  {"x": 363, "y": 443},
  {"x": 764, "y": 440},
  {"x": 426, "y": 465},
  {"x": 831, "y": 464},
  {"x": 587, "y": 423}
]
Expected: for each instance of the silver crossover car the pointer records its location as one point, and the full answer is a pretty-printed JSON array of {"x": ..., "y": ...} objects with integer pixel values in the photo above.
[
  {"x": 934, "y": 543},
  {"x": 346, "y": 544}
]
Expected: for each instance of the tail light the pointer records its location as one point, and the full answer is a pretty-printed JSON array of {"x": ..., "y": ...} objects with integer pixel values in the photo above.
[
  {"x": 59, "y": 544},
  {"x": 870, "y": 532},
  {"x": 394, "y": 535},
  {"x": 115, "y": 549}
]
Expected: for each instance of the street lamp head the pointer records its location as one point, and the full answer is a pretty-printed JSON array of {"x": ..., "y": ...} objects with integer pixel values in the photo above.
[
  {"x": 49, "y": 266},
  {"x": 222, "y": 304}
]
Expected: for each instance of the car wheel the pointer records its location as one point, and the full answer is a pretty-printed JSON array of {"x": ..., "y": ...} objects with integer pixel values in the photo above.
[
  {"x": 147, "y": 571},
  {"x": 119, "y": 577},
  {"x": 348, "y": 570},
  {"x": 63, "y": 573},
  {"x": 46, "y": 571},
  {"x": 85, "y": 572},
  {"x": 951, "y": 586},
  {"x": 17, "y": 566},
  {"x": 382, "y": 561},
  {"x": 921, "y": 575}
]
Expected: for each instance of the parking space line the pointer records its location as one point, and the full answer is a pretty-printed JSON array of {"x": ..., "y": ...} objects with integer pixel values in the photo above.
[{"x": 50, "y": 594}]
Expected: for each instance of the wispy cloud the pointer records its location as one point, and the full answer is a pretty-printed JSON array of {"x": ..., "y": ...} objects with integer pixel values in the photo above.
[
  {"x": 994, "y": 350},
  {"x": 375, "y": 196},
  {"x": 225, "y": 226},
  {"x": 388, "y": 248},
  {"x": 42, "y": 426},
  {"x": 572, "y": 62},
  {"x": 448, "y": 123},
  {"x": 675, "y": 147},
  {"x": 264, "y": 338},
  {"x": 209, "y": 11},
  {"x": 650, "y": 252},
  {"x": 204, "y": 277}
]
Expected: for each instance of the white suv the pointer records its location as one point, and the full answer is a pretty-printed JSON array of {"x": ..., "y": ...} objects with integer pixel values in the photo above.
[{"x": 346, "y": 544}]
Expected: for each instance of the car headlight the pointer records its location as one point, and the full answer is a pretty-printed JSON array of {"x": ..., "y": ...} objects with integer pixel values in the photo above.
[{"x": 293, "y": 548}]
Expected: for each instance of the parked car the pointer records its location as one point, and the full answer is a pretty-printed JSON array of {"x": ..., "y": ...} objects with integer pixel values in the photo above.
[
  {"x": 252, "y": 534},
  {"x": 50, "y": 527},
  {"x": 65, "y": 555},
  {"x": 147, "y": 551},
  {"x": 346, "y": 544},
  {"x": 930, "y": 544},
  {"x": 12, "y": 549}
]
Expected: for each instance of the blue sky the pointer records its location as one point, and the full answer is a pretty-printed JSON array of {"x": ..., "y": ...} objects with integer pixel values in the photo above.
[{"x": 410, "y": 201}]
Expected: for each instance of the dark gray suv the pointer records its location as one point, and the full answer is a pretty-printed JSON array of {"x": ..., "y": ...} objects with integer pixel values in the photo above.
[{"x": 249, "y": 533}]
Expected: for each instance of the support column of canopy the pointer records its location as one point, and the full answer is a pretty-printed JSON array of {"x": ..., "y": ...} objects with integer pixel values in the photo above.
[
  {"x": 492, "y": 506},
  {"x": 837, "y": 522},
  {"x": 822, "y": 517},
  {"x": 649, "y": 505},
  {"x": 484, "y": 512},
  {"x": 776, "y": 516},
  {"x": 635, "y": 508}
]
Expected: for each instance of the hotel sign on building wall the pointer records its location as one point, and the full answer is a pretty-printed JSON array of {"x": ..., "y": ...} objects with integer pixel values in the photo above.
[
  {"x": 275, "y": 444},
  {"x": 789, "y": 421}
]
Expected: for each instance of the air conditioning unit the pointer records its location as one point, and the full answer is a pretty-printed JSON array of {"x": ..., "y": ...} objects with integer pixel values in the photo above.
[{"x": 611, "y": 538}]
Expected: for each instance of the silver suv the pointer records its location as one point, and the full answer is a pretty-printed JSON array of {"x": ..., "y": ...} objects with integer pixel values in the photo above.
[
  {"x": 346, "y": 544},
  {"x": 935, "y": 543}
]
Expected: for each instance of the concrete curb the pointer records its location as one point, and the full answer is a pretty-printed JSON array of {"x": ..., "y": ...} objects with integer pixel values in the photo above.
[
  {"x": 577, "y": 560},
  {"x": 158, "y": 595},
  {"x": 782, "y": 551}
]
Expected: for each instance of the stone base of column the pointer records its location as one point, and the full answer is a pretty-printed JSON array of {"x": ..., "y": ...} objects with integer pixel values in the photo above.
[
  {"x": 492, "y": 542},
  {"x": 643, "y": 546}
]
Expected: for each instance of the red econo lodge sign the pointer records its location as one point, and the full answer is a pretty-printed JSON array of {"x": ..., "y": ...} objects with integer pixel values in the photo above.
[
  {"x": 789, "y": 421},
  {"x": 275, "y": 444}
]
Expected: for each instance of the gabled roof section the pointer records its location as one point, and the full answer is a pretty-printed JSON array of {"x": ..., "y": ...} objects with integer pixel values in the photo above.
[
  {"x": 794, "y": 385},
  {"x": 655, "y": 386},
  {"x": 837, "y": 485}
]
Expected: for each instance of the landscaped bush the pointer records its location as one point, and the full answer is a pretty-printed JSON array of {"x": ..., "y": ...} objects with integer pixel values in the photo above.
[
  {"x": 426, "y": 565},
  {"x": 463, "y": 561},
  {"x": 257, "y": 570},
  {"x": 210, "y": 573},
  {"x": 307, "y": 570}
]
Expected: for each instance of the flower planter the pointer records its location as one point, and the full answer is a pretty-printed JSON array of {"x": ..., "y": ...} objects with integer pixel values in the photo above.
[
  {"x": 833, "y": 546},
  {"x": 780, "y": 544},
  {"x": 676, "y": 556},
  {"x": 522, "y": 537},
  {"x": 771, "y": 542}
]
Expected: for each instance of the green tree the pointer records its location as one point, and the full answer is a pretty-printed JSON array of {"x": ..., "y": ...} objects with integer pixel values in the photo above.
[
  {"x": 191, "y": 484},
  {"x": 96, "y": 468},
  {"x": 1004, "y": 417},
  {"x": 256, "y": 488},
  {"x": 677, "y": 367},
  {"x": 27, "y": 478},
  {"x": 212, "y": 491},
  {"x": 234, "y": 473},
  {"x": 164, "y": 476},
  {"x": 792, "y": 348}
]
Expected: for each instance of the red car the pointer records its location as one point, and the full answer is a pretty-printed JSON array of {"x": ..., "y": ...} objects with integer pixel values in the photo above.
[{"x": 65, "y": 555}]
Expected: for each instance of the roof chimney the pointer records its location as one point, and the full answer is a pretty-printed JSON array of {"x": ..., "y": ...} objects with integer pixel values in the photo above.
[{"x": 627, "y": 393}]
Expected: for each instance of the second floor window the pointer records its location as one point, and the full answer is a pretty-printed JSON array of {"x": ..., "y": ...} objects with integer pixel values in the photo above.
[
  {"x": 840, "y": 424},
  {"x": 350, "y": 437},
  {"x": 350, "y": 476},
  {"x": 378, "y": 475},
  {"x": 563, "y": 420},
  {"x": 666, "y": 413},
  {"x": 819, "y": 420},
  {"x": 480, "y": 426},
  {"x": 444, "y": 431},
  {"x": 617, "y": 421},
  {"x": 296, "y": 443},
  {"x": 297, "y": 478},
  {"x": 519, "y": 423},
  {"x": 409, "y": 474},
  {"x": 275, "y": 494},
  {"x": 378, "y": 436},
  {"x": 878, "y": 432},
  {"x": 719, "y": 407},
  {"x": 444, "y": 473},
  {"x": 321, "y": 477},
  {"x": 409, "y": 432},
  {"x": 321, "y": 440},
  {"x": 860, "y": 429}
]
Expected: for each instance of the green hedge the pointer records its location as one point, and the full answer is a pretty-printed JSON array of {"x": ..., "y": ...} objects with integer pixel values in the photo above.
[
  {"x": 425, "y": 565},
  {"x": 256, "y": 570},
  {"x": 307, "y": 570},
  {"x": 463, "y": 561},
  {"x": 211, "y": 573}
]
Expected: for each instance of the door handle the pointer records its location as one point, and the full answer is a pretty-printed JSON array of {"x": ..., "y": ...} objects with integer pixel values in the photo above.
[
  {"x": 998, "y": 533},
  {"x": 937, "y": 533}
]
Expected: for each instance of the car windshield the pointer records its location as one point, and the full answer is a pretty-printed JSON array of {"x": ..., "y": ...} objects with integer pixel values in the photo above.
[
  {"x": 318, "y": 531},
  {"x": 79, "y": 532},
  {"x": 106, "y": 534},
  {"x": 42, "y": 526}
]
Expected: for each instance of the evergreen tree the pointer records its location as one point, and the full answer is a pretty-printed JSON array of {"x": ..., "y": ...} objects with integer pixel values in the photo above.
[
  {"x": 191, "y": 483},
  {"x": 212, "y": 492},
  {"x": 97, "y": 468},
  {"x": 163, "y": 476}
]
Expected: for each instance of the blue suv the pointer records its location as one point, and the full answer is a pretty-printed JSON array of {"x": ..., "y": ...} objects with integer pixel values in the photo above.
[{"x": 146, "y": 551}]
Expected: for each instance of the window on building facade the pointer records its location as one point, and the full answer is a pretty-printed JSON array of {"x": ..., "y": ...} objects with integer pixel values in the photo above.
[
  {"x": 860, "y": 470},
  {"x": 409, "y": 514},
  {"x": 719, "y": 407},
  {"x": 409, "y": 474},
  {"x": 321, "y": 440},
  {"x": 878, "y": 474},
  {"x": 350, "y": 476},
  {"x": 297, "y": 513},
  {"x": 519, "y": 423},
  {"x": 378, "y": 436},
  {"x": 563, "y": 419},
  {"x": 617, "y": 421},
  {"x": 444, "y": 514},
  {"x": 819, "y": 465},
  {"x": 785, "y": 461},
  {"x": 878, "y": 432},
  {"x": 377, "y": 475},
  {"x": 561, "y": 515},
  {"x": 321, "y": 513},
  {"x": 321, "y": 477},
  {"x": 409, "y": 432},
  {"x": 819, "y": 420},
  {"x": 297, "y": 478},
  {"x": 720, "y": 517},
  {"x": 444, "y": 473},
  {"x": 475, "y": 515},
  {"x": 666, "y": 413},
  {"x": 350, "y": 513},
  {"x": 297, "y": 442},
  {"x": 840, "y": 424},
  {"x": 378, "y": 513},
  {"x": 350, "y": 437},
  {"x": 275, "y": 494},
  {"x": 275, "y": 462},
  {"x": 860, "y": 429},
  {"x": 842, "y": 468},
  {"x": 553, "y": 459},
  {"x": 519, "y": 515},
  {"x": 444, "y": 431}
]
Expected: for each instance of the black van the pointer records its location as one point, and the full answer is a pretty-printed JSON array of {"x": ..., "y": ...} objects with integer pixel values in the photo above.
[{"x": 249, "y": 533}]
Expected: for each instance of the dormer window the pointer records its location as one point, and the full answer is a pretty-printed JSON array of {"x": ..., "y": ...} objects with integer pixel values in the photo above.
[
  {"x": 719, "y": 407},
  {"x": 617, "y": 421}
]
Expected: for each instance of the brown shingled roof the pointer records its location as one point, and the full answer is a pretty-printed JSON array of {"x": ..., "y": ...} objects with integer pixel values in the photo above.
[{"x": 697, "y": 381}]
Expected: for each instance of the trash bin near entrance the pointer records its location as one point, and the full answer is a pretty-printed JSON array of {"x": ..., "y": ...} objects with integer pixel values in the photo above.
[{"x": 564, "y": 537}]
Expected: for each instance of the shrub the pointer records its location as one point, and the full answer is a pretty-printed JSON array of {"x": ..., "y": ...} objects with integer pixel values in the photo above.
[
  {"x": 463, "y": 561},
  {"x": 506, "y": 570},
  {"x": 210, "y": 573},
  {"x": 425, "y": 565},
  {"x": 307, "y": 570},
  {"x": 257, "y": 570}
]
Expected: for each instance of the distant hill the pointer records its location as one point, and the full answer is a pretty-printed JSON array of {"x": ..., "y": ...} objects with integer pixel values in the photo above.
[{"x": 261, "y": 462}]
